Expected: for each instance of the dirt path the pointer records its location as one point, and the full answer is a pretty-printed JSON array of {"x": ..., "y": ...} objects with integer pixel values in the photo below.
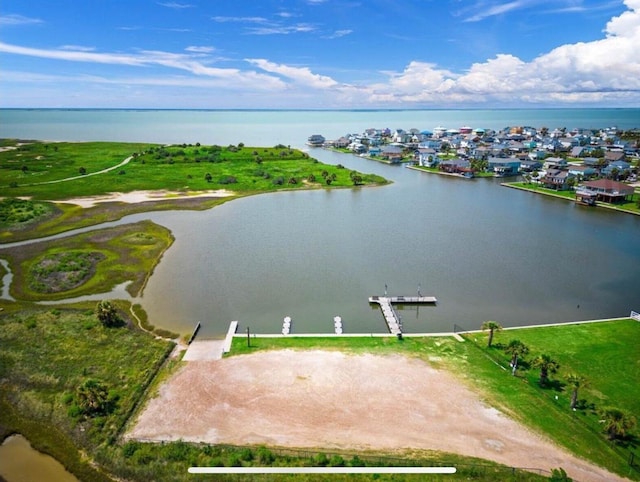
[
  {"x": 333, "y": 400},
  {"x": 102, "y": 171}
]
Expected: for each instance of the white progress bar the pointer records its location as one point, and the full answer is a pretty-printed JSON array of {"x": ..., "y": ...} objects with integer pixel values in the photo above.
[{"x": 322, "y": 470}]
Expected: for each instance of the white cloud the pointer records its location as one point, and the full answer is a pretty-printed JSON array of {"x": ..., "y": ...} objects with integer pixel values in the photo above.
[
  {"x": 15, "y": 19},
  {"x": 339, "y": 33},
  {"x": 300, "y": 75},
  {"x": 484, "y": 11},
  {"x": 200, "y": 49},
  {"x": 183, "y": 62},
  {"x": 586, "y": 72},
  {"x": 80, "y": 48},
  {"x": 175, "y": 5},
  {"x": 240, "y": 19},
  {"x": 281, "y": 29},
  {"x": 73, "y": 55}
]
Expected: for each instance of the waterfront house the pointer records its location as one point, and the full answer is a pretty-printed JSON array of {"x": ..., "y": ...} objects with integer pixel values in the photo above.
[
  {"x": 316, "y": 140},
  {"x": 392, "y": 153},
  {"x": 426, "y": 157},
  {"x": 556, "y": 179},
  {"x": 607, "y": 190},
  {"x": 504, "y": 167},
  {"x": 342, "y": 142},
  {"x": 530, "y": 165},
  {"x": 456, "y": 166}
]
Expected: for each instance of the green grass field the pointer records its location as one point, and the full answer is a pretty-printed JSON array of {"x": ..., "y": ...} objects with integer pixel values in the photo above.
[{"x": 55, "y": 171}]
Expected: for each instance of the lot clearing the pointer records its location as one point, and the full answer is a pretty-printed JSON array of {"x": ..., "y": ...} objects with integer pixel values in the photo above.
[{"x": 331, "y": 400}]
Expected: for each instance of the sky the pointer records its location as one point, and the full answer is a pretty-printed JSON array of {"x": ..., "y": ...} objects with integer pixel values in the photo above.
[{"x": 319, "y": 54}]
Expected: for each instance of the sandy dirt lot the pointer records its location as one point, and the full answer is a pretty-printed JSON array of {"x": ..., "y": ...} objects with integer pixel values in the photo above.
[{"x": 327, "y": 399}]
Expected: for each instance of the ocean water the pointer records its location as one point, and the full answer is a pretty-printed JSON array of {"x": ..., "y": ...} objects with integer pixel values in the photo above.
[{"x": 267, "y": 128}]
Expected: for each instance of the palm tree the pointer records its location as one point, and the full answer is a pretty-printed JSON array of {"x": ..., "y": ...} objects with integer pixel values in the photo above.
[
  {"x": 616, "y": 422},
  {"x": 516, "y": 349},
  {"x": 92, "y": 397},
  {"x": 108, "y": 315},
  {"x": 547, "y": 365},
  {"x": 491, "y": 326},
  {"x": 576, "y": 382}
]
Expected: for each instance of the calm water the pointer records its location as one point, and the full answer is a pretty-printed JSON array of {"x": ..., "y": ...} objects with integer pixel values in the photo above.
[
  {"x": 20, "y": 462},
  {"x": 485, "y": 251},
  {"x": 268, "y": 128}
]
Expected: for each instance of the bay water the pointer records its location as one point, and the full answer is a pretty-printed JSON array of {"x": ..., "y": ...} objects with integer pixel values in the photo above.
[{"x": 485, "y": 251}]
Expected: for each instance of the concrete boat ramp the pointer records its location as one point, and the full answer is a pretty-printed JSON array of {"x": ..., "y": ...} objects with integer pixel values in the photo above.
[{"x": 206, "y": 350}]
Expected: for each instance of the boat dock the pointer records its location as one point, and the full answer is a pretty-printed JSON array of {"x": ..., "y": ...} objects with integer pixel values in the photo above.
[{"x": 390, "y": 316}]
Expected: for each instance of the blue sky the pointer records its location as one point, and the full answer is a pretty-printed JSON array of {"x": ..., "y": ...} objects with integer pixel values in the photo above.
[{"x": 319, "y": 53}]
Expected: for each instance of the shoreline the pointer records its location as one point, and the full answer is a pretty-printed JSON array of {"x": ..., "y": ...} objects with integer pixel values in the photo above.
[
  {"x": 557, "y": 196},
  {"x": 416, "y": 335}
]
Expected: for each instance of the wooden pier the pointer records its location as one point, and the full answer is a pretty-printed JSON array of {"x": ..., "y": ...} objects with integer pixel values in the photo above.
[{"x": 390, "y": 316}]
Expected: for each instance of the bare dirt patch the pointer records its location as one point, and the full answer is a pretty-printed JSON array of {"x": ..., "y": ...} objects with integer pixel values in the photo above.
[
  {"x": 326, "y": 399},
  {"x": 135, "y": 197}
]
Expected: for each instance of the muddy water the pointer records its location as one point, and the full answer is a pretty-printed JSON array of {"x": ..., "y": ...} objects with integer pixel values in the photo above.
[{"x": 20, "y": 462}]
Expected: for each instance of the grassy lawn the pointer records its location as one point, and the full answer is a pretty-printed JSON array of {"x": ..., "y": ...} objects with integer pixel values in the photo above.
[
  {"x": 436, "y": 170},
  {"x": 605, "y": 353}
]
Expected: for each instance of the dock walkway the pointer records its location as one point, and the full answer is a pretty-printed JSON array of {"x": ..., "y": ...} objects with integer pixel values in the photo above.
[{"x": 390, "y": 316}]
